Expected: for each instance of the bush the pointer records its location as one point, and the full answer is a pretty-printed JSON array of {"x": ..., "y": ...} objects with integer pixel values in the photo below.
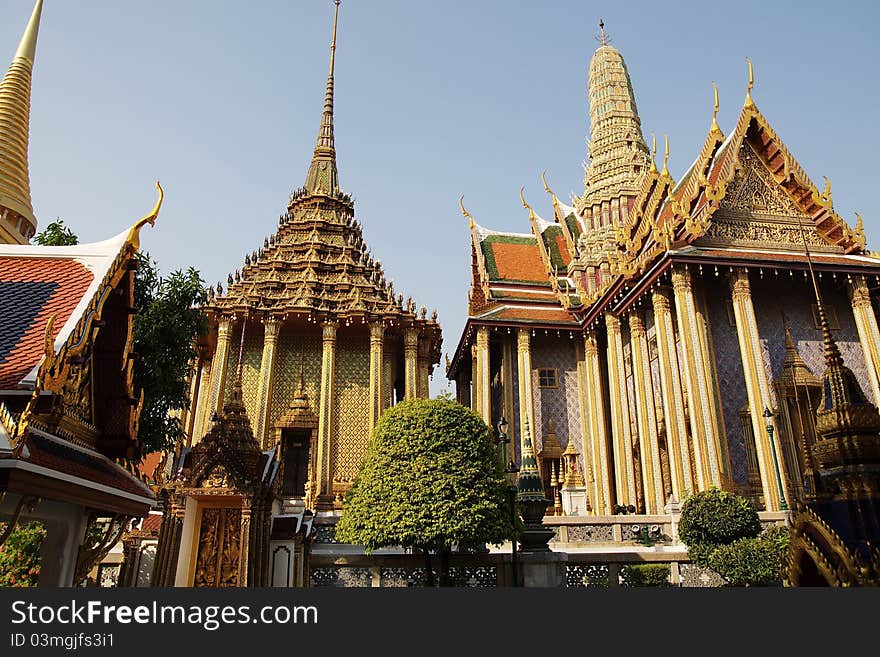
[
  {"x": 716, "y": 517},
  {"x": 20, "y": 556},
  {"x": 752, "y": 561},
  {"x": 646, "y": 574}
]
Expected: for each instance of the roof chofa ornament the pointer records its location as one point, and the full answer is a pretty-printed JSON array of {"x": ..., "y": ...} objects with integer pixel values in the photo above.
[
  {"x": 134, "y": 235},
  {"x": 749, "y": 102}
]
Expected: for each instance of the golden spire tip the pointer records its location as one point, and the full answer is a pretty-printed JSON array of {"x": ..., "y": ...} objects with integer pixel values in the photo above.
[
  {"x": 28, "y": 45},
  {"x": 665, "y": 171},
  {"x": 715, "y": 127},
  {"x": 653, "y": 167}
]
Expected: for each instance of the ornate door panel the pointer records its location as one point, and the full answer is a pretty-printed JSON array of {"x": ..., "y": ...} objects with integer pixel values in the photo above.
[{"x": 219, "y": 548}]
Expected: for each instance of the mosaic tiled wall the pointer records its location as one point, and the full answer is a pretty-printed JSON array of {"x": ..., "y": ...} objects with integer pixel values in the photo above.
[
  {"x": 560, "y": 403},
  {"x": 250, "y": 370},
  {"x": 351, "y": 400},
  {"x": 731, "y": 378},
  {"x": 292, "y": 346}
]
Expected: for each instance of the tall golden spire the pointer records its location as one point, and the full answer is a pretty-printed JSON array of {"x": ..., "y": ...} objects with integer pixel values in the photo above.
[
  {"x": 18, "y": 223},
  {"x": 323, "y": 176}
]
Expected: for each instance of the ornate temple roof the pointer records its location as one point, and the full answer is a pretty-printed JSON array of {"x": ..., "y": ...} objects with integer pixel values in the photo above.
[
  {"x": 317, "y": 264},
  {"x": 15, "y": 103}
]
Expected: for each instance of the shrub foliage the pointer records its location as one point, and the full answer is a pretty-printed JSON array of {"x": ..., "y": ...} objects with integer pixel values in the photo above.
[
  {"x": 646, "y": 574},
  {"x": 20, "y": 555},
  {"x": 753, "y": 561}
]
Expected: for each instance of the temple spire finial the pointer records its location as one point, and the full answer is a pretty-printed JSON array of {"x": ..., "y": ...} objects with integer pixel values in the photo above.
[
  {"x": 665, "y": 171},
  {"x": 715, "y": 127},
  {"x": 653, "y": 165},
  {"x": 323, "y": 175},
  {"x": 749, "y": 101},
  {"x": 18, "y": 221},
  {"x": 603, "y": 35}
]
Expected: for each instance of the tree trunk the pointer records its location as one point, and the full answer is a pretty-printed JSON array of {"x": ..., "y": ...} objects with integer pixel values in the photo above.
[
  {"x": 444, "y": 566},
  {"x": 429, "y": 572}
]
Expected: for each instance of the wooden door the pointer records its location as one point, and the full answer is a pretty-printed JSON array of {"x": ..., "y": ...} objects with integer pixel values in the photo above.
[{"x": 219, "y": 547}]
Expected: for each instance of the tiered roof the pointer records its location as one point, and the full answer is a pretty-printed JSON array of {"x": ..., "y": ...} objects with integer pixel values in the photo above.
[{"x": 317, "y": 264}]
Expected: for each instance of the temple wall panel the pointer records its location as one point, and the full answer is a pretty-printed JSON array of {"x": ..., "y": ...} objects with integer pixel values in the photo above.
[
  {"x": 731, "y": 377},
  {"x": 351, "y": 398},
  {"x": 250, "y": 366},
  {"x": 795, "y": 297},
  {"x": 561, "y": 403},
  {"x": 291, "y": 348}
]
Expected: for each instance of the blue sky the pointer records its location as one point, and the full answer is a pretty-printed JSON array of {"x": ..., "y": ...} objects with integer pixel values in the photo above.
[{"x": 221, "y": 101}]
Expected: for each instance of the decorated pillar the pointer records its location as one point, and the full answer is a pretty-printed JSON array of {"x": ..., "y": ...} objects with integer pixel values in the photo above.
[
  {"x": 410, "y": 358},
  {"x": 595, "y": 396},
  {"x": 757, "y": 387},
  {"x": 244, "y": 571},
  {"x": 524, "y": 364},
  {"x": 203, "y": 410},
  {"x": 377, "y": 387},
  {"x": 507, "y": 389},
  {"x": 704, "y": 427},
  {"x": 484, "y": 408},
  {"x": 624, "y": 473},
  {"x": 267, "y": 377},
  {"x": 671, "y": 393},
  {"x": 869, "y": 336},
  {"x": 646, "y": 417},
  {"x": 423, "y": 367},
  {"x": 221, "y": 355},
  {"x": 325, "y": 414}
]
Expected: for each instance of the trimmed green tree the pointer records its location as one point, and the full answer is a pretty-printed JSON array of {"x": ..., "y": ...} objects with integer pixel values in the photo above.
[
  {"x": 431, "y": 480},
  {"x": 56, "y": 234},
  {"x": 722, "y": 531}
]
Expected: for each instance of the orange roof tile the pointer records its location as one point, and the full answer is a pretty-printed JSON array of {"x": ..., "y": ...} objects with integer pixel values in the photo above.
[
  {"x": 31, "y": 291},
  {"x": 519, "y": 262}
]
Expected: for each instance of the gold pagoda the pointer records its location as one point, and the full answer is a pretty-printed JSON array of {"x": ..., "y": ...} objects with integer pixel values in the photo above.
[{"x": 311, "y": 343}]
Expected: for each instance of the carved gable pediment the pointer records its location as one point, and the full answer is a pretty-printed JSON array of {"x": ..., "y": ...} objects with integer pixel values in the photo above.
[{"x": 754, "y": 191}]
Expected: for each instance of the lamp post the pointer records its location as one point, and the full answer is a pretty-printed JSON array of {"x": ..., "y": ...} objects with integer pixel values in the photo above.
[
  {"x": 768, "y": 414},
  {"x": 512, "y": 474}
]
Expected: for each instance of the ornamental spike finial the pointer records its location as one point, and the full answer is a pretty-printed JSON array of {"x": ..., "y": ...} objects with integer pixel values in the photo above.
[
  {"x": 665, "y": 171},
  {"x": 749, "y": 102},
  {"x": 715, "y": 127},
  {"x": 549, "y": 191},
  {"x": 525, "y": 203},
  {"x": 653, "y": 165},
  {"x": 603, "y": 35},
  {"x": 465, "y": 213}
]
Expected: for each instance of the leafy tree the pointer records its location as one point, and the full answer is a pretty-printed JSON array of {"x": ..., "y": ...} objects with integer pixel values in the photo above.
[
  {"x": 431, "y": 480},
  {"x": 722, "y": 531},
  {"x": 753, "y": 561},
  {"x": 715, "y": 517},
  {"x": 20, "y": 555},
  {"x": 56, "y": 234},
  {"x": 646, "y": 574},
  {"x": 167, "y": 322}
]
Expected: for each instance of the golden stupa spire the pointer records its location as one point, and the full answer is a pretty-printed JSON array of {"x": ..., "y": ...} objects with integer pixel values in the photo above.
[
  {"x": 749, "y": 101},
  {"x": 665, "y": 171},
  {"x": 323, "y": 176},
  {"x": 18, "y": 223}
]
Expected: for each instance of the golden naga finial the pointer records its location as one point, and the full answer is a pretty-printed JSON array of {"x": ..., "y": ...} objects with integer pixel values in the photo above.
[
  {"x": 134, "y": 235},
  {"x": 665, "y": 171},
  {"x": 653, "y": 167},
  {"x": 465, "y": 213},
  {"x": 548, "y": 190},
  {"x": 749, "y": 102},
  {"x": 525, "y": 203},
  {"x": 715, "y": 127}
]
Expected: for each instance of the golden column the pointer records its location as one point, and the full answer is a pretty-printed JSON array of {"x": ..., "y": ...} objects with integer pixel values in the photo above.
[
  {"x": 869, "y": 336},
  {"x": 188, "y": 413},
  {"x": 757, "y": 386},
  {"x": 325, "y": 415},
  {"x": 646, "y": 416},
  {"x": 595, "y": 395},
  {"x": 704, "y": 427},
  {"x": 221, "y": 355},
  {"x": 410, "y": 357},
  {"x": 272, "y": 327},
  {"x": 524, "y": 371},
  {"x": 377, "y": 387},
  {"x": 507, "y": 405},
  {"x": 484, "y": 408},
  {"x": 624, "y": 473},
  {"x": 423, "y": 364},
  {"x": 670, "y": 390},
  {"x": 201, "y": 412}
]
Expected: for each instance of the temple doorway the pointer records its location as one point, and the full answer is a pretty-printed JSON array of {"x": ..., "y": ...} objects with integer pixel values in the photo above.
[
  {"x": 296, "y": 462},
  {"x": 218, "y": 548}
]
